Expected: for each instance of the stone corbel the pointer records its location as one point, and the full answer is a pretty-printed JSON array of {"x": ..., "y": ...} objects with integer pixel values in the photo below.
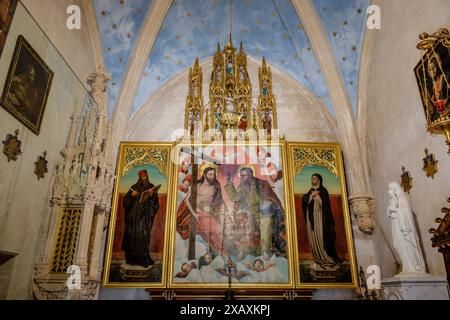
[
  {"x": 362, "y": 206},
  {"x": 57, "y": 290}
]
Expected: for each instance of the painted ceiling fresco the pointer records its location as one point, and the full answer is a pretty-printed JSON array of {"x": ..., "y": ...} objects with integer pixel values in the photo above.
[
  {"x": 119, "y": 22},
  {"x": 267, "y": 28},
  {"x": 344, "y": 22}
]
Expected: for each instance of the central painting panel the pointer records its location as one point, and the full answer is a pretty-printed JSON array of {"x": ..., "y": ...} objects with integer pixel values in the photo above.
[{"x": 230, "y": 217}]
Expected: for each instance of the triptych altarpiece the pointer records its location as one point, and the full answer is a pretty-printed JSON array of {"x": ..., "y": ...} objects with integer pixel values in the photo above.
[{"x": 230, "y": 203}]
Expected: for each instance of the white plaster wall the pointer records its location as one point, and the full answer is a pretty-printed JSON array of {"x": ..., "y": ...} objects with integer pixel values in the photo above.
[
  {"x": 396, "y": 122},
  {"x": 301, "y": 116},
  {"x": 74, "y": 45},
  {"x": 24, "y": 201}
]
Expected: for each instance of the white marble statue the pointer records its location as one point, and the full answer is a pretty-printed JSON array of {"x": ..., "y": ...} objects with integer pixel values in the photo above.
[{"x": 404, "y": 233}]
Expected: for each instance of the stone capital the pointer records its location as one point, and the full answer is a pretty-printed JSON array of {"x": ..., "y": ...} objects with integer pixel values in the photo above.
[{"x": 362, "y": 206}]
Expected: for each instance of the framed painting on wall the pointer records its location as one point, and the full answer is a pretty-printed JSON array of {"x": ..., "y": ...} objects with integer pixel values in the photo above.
[
  {"x": 433, "y": 78},
  {"x": 324, "y": 253},
  {"x": 230, "y": 217},
  {"x": 136, "y": 253},
  {"x": 27, "y": 86},
  {"x": 7, "y": 9}
]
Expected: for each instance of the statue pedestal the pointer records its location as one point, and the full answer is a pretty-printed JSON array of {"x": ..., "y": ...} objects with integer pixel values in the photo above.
[{"x": 415, "y": 286}]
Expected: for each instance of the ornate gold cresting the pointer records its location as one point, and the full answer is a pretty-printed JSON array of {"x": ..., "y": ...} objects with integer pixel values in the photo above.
[
  {"x": 304, "y": 157},
  {"x": 140, "y": 156},
  {"x": 266, "y": 101},
  {"x": 230, "y": 97},
  {"x": 430, "y": 42}
]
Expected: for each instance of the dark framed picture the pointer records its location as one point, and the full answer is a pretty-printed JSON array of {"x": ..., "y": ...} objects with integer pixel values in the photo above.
[
  {"x": 7, "y": 9},
  {"x": 433, "y": 78},
  {"x": 27, "y": 86}
]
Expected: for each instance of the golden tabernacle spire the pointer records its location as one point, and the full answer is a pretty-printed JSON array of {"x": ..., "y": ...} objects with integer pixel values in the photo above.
[
  {"x": 194, "y": 102},
  {"x": 230, "y": 97},
  {"x": 266, "y": 100}
]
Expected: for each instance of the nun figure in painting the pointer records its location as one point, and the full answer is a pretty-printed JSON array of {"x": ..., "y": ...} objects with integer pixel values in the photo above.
[
  {"x": 404, "y": 234},
  {"x": 320, "y": 223}
]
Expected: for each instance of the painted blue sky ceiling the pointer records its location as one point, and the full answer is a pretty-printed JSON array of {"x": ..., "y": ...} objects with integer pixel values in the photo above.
[
  {"x": 267, "y": 28},
  {"x": 119, "y": 23},
  {"x": 344, "y": 22}
]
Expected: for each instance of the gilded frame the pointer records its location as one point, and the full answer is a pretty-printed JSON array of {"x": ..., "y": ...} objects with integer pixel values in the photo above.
[
  {"x": 337, "y": 166},
  {"x": 124, "y": 163},
  {"x": 31, "y": 112},
  {"x": 211, "y": 289}
]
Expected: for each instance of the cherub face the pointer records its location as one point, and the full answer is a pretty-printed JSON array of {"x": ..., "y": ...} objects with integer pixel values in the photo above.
[
  {"x": 186, "y": 184},
  {"x": 258, "y": 265},
  {"x": 186, "y": 267},
  {"x": 208, "y": 258}
]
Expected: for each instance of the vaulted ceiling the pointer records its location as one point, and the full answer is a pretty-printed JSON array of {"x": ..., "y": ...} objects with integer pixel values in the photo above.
[{"x": 267, "y": 28}]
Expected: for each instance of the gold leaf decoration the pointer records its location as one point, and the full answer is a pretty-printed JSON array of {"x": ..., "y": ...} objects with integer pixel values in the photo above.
[
  {"x": 157, "y": 156},
  {"x": 322, "y": 157}
]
